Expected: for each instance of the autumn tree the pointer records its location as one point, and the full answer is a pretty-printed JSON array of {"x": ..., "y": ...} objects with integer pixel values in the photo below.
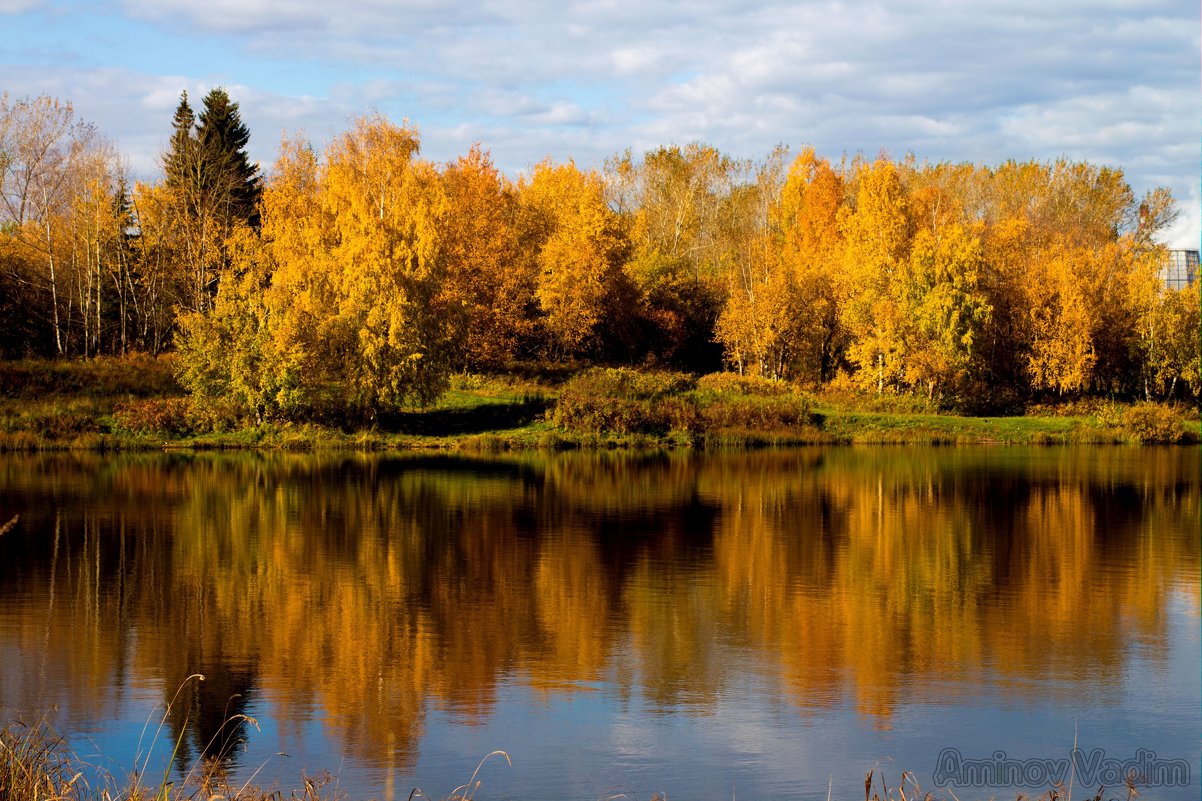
[
  {"x": 877, "y": 231},
  {"x": 228, "y": 356},
  {"x": 671, "y": 202},
  {"x": 61, "y": 215},
  {"x": 580, "y": 250},
  {"x": 158, "y": 283},
  {"x": 1087, "y": 257},
  {"x": 490, "y": 284},
  {"x": 810, "y": 249},
  {"x": 675, "y": 195},
  {"x": 1168, "y": 337},
  {"x": 387, "y": 209},
  {"x": 947, "y": 309},
  {"x": 1170, "y": 341},
  {"x": 760, "y": 323},
  {"x": 351, "y": 320}
]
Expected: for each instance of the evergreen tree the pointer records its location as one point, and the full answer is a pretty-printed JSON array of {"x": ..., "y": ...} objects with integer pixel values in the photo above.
[
  {"x": 207, "y": 159},
  {"x": 179, "y": 163},
  {"x": 212, "y": 187},
  {"x": 223, "y": 137}
]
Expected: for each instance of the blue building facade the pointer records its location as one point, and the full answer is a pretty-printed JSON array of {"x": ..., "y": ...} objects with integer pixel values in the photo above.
[{"x": 1181, "y": 270}]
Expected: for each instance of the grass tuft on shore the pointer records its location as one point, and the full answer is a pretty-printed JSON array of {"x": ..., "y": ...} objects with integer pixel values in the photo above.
[{"x": 37, "y": 764}]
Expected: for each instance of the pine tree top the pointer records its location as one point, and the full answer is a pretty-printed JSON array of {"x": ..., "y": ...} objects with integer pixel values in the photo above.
[{"x": 207, "y": 155}]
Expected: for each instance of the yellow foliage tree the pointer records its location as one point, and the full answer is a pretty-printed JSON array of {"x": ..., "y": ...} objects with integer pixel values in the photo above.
[
  {"x": 947, "y": 308},
  {"x": 580, "y": 251},
  {"x": 489, "y": 276},
  {"x": 877, "y": 235},
  {"x": 1062, "y": 317},
  {"x": 1173, "y": 344},
  {"x": 386, "y": 208},
  {"x": 759, "y": 324},
  {"x": 808, "y": 215},
  {"x": 228, "y": 355},
  {"x": 354, "y": 309}
]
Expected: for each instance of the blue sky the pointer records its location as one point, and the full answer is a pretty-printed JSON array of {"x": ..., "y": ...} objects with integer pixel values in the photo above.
[{"x": 986, "y": 80}]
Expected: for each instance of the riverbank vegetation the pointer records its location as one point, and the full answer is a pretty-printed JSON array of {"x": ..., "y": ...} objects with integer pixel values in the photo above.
[
  {"x": 355, "y": 288},
  {"x": 136, "y": 403},
  {"x": 38, "y": 764}
]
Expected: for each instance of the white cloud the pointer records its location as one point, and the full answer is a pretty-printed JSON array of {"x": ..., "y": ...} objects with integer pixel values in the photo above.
[
  {"x": 982, "y": 81},
  {"x": 634, "y": 60},
  {"x": 19, "y": 6},
  {"x": 135, "y": 109}
]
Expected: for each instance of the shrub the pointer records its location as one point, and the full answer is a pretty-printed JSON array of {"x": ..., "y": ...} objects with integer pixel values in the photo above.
[
  {"x": 60, "y": 421},
  {"x": 759, "y": 413},
  {"x": 1149, "y": 423},
  {"x": 735, "y": 384},
  {"x": 624, "y": 401},
  {"x": 1110, "y": 414},
  {"x": 215, "y": 416},
  {"x": 598, "y": 413},
  {"x": 1107, "y": 412},
  {"x": 156, "y": 416},
  {"x": 622, "y": 382},
  {"x": 674, "y": 405}
]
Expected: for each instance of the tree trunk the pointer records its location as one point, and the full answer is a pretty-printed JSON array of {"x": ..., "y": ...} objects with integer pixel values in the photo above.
[{"x": 58, "y": 338}]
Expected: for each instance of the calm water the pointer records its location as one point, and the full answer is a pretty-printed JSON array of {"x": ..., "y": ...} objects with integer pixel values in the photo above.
[{"x": 739, "y": 625}]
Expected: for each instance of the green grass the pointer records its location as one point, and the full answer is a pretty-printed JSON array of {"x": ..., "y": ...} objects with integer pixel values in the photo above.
[
  {"x": 135, "y": 404},
  {"x": 862, "y": 427}
]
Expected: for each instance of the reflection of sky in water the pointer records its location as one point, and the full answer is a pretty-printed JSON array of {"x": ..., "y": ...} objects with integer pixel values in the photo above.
[
  {"x": 642, "y": 719},
  {"x": 750, "y": 744}
]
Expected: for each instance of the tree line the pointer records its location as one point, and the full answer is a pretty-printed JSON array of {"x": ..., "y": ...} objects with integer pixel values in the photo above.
[
  {"x": 357, "y": 276},
  {"x": 91, "y": 264}
]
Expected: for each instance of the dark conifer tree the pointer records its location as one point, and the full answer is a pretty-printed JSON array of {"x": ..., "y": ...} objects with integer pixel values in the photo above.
[
  {"x": 179, "y": 163},
  {"x": 223, "y": 137},
  {"x": 215, "y": 187},
  {"x": 207, "y": 158}
]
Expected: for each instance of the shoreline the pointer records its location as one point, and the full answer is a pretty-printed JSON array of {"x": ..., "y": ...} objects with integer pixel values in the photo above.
[
  {"x": 134, "y": 405},
  {"x": 838, "y": 427}
]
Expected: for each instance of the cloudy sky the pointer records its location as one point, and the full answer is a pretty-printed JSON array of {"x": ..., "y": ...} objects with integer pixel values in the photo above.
[{"x": 979, "y": 80}]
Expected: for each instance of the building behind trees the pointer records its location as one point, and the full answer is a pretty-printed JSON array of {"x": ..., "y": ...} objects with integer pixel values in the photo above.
[{"x": 1181, "y": 271}]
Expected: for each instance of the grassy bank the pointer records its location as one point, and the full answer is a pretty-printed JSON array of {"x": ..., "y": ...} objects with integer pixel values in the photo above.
[{"x": 135, "y": 404}]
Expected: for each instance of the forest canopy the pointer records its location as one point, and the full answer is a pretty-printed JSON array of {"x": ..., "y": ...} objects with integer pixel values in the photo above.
[{"x": 353, "y": 277}]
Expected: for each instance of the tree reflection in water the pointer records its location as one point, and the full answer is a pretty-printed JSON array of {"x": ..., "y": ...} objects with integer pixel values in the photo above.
[{"x": 368, "y": 591}]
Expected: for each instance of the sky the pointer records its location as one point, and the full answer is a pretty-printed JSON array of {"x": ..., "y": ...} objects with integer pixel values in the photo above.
[{"x": 1114, "y": 83}]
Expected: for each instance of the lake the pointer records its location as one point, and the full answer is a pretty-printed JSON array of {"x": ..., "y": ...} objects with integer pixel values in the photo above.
[{"x": 762, "y": 624}]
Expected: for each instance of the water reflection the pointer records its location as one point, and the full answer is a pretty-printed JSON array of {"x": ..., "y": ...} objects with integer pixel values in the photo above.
[{"x": 369, "y": 592}]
